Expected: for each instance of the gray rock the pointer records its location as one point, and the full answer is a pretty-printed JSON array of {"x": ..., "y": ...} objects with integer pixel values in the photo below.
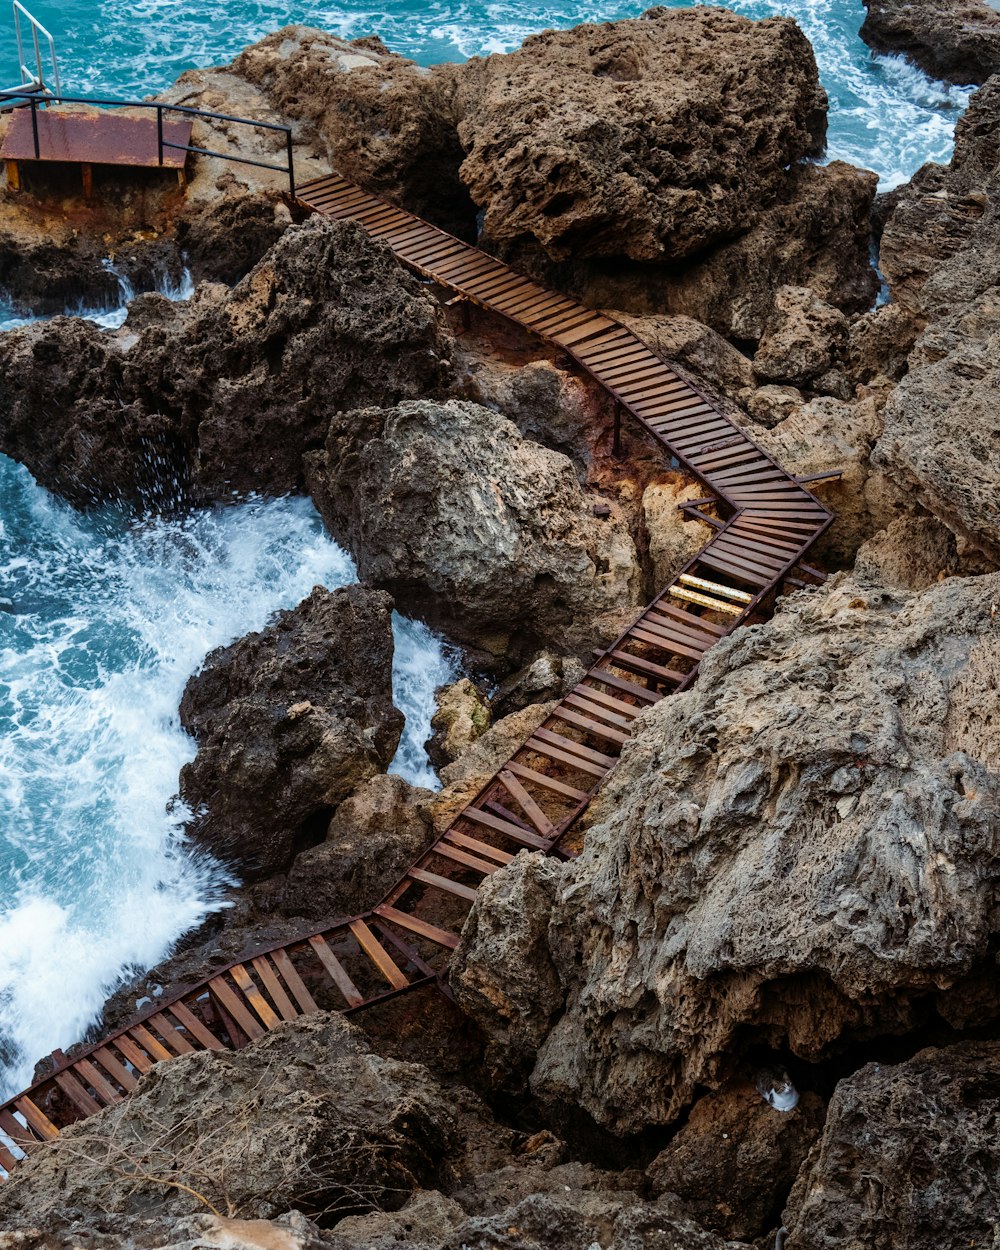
[
  {"x": 957, "y": 41},
  {"x": 804, "y": 338}
]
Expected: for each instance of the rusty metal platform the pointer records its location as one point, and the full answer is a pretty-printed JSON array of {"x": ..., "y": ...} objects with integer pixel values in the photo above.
[{"x": 95, "y": 138}]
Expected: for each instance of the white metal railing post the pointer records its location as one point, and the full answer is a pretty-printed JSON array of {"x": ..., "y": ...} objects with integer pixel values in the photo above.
[{"x": 37, "y": 30}]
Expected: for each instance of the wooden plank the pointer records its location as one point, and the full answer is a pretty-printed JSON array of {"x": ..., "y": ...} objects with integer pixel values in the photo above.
[
  {"x": 337, "y": 971},
  {"x": 568, "y": 337},
  {"x": 117, "y": 1071},
  {"x": 75, "y": 1092},
  {"x": 627, "y": 711},
  {"x": 36, "y": 1118},
  {"x": 176, "y": 1041},
  {"x": 448, "y": 851},
  {"x": 740, "y": 570},
  {"x": 134, "y": 1054},
  {"x": 654, "y": 637},
  {"x": 574, "y": 748},
  {"x": 522, "y": 836},
  {"x": 251, "y": 992},
  {"x": 290, "y": 974},
  {"x": 423, "y": 928},
  {"x": 442, "y": 883},
  {"x": 646, "y": 668},
  {"x": 379, "y": 956},
  {"x": 526, "y": 803},
  {"x": 552, "y": 784},
  {"x": 648, "y": 696},
  {"x": 715, "y": 588},
  {"x": 156, "y": 1050},
  {"x": 593, "y": 707},
  {"x": 676, "y": 637},
  {"x": 480, "y": 848},
  {"x": 265, "y": 970},
  {"x": 195, "y": 1027},
  {"x": 22, "y": 1136},
  {"x": 233, "y": 1004},
  {"x": 7, "y": 1160},
  {"x": 705, "y": 601},
  {"x": 97, "y": 1081},
  {"x": 604, "y": 732},
  {"x": 689, "y": 619}
]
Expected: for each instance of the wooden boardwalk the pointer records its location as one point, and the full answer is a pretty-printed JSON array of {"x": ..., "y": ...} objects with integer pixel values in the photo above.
[{"x": 406, "y": 940}]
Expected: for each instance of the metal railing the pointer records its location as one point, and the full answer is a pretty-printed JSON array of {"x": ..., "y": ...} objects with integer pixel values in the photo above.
[
  {"x": 34, "y": 102},
  {"x": 37, "y": 80}
]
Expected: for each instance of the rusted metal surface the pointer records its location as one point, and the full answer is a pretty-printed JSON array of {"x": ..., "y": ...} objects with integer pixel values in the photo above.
[
  {"x": 769, "y": 522},
  {"x": 94, "y": 138}
]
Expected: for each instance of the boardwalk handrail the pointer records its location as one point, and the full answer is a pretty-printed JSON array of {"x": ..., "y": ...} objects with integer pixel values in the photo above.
[
  {"x": 405, "y": 941},
  {"x": 34, "y": 101},
  {"x": 35, "y": 81}
]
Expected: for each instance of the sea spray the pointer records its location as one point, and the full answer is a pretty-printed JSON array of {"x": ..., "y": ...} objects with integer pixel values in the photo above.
[{"x": 107, "y": 618}]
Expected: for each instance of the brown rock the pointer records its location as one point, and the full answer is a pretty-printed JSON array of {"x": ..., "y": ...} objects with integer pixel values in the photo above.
[
  {"x": 734, "y": 1160},
  {"x": 650, "y": 138},
  {"x": 673, "y": 537},
  {"x": 288, "y": 722},
  {"x": 880, "y": 343},
  {"x": 803, "y": 339},
  {"x": 796, "y": 852},
  {"x": 463, "y": 716},
  {"x": 911, "y": 553},
  {"x": 480, "y": 532},
  {"x": 770, "y": 405},
  {"x": 710, "y": 360},
  {"x": 957, "y": 41},
  {"x": 908, "y": 1157}
]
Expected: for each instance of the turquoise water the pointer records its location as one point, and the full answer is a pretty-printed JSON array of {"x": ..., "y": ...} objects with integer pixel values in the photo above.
[
  {"x": 103, "y": 618},
  {"x": 884, "y": 114}
]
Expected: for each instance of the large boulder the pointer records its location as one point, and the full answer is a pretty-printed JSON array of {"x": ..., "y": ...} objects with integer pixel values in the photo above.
[
  {"x": 306, "y": 1117},
  {"x": 804, "y": 338},
  {"x": 800, "y": 852},
  {"x": 223, "y": 394},
  {"x": 478, "y": 530},
  {"x": 651, "y": 138},
  {"x": 383, "y": 120},
  {"x": 909, "y": 1157},
  {"x": 288, "y": 722},
  {"x": 959, "y": 41}
]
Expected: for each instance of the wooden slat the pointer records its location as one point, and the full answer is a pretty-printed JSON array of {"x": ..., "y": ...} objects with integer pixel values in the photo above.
[
  {"x": 98, "y": 1082},
  {"x": 522, "y": 836},
  {"x": 134, "y": 1054},
  {"x": 37, "y": 1118},
  {"x": 574, "y": 748},
  {"x": 447, "y": 850},
  {"x": 265, "y": 970},
  {"x": 605, "y": 732},
  {"x": 197, "y": 1029},
  {"x": 233, "y": 1004},
  {"x": 634, "y": 664},
  {"x": 554, "y": 784},
  {"x": 526, "y": 803},
  {"x": 484, "y": 849},
  {"x": 290, "y": 975},
  {"x": 148, "y": 1042},
  {"x": 379, "y": 956},
  {"x": 117, "y": 1071},
  {"x": 649, "y": 697},
  {"x": 7, "y": 1160},
  {"x": 705, "y": 601},
  {"x": 423, "y": 928},
  {"x": 337, "y": 971},
  {"x": 251, "y": 992},
  {"x": 176, "y": 1041},
  {"x": 442, "y": 883},
  {"x": 75, "y": 1092},
  {"x": 22, "y": 1136}
]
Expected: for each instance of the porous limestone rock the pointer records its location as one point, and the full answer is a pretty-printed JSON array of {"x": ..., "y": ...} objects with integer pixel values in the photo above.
[
  {"x": 879, "y": 343},
  {"x": 911, "y": 553},
  {"x": 483, "y": 533},
  {"x": 383, "y": 120},
  {"x": 549, "y": 676},
  {"x": 463, "y": 715},
  {"x": 735, "y": 1158},
  {"x": 502, "y": 973},
  {"x": 375, "y": 834},
  {"x": 673, "y": 537},
  {"x": 770, "y": 405},
  {"x": 649, "y": 138},
  {"x": 909, "y": 1156},
  {"x": 801, "y": 851},
  {"x": 804, "y": 338},
  {"x": 711, "y": 361},
  {"x": 224, "y": 394},
  {"x": 288, "y": 722},
  {"x": 954, "y": 39},
  {"x": 306, "y": 1117}
]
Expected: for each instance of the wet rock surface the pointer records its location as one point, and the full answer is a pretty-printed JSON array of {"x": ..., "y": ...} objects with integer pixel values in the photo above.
[
  {"x": 224, "y": 394},
  {"x": 908, "y": 1156},
  {"x": 647, "y": 138},
  {"x": 288, "y": 722},
  {"x": 479, "y": 531},
  {"x": 957, "y": 41}
]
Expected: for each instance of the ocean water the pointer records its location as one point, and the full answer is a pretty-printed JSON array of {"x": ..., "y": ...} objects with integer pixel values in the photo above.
[
  {"x": 104, "y": 617},
  {"x": 884, "y": 114}
]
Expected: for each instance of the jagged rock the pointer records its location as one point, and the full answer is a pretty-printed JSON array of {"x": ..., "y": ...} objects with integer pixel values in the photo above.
[
  {"x": 305, "y": 1117},
  {"x": 385, "y": 122},
  {"x": 502, "y": 973},
  {"x": 911, "y": 553},
  {"x": 649, "y": 138},
  {"x": 908, "y": 1157},
  {"x": 222, "y": 240},
  {"x": 373, "y": 837},
  {"x": 480, "y": 532},
  {"x": 941, "y": 439},
  {"x": 956, "y": 41},
  {"x": 879, "y": 344},
  {"x": 734, "y": 1160},
  {"x": 288, "y": 722},
  {"x": 803, "y": 339},
  {"x": 199, "y": 398},
  {"x": 463, "y": 715},
  {"x": 800, "y": 851},
  {"x": 770, "y": 405},
  {"x": 709, "y": 359},
  {"x": 673, "y": 536},
  {"x": 549, "y": 676}
]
